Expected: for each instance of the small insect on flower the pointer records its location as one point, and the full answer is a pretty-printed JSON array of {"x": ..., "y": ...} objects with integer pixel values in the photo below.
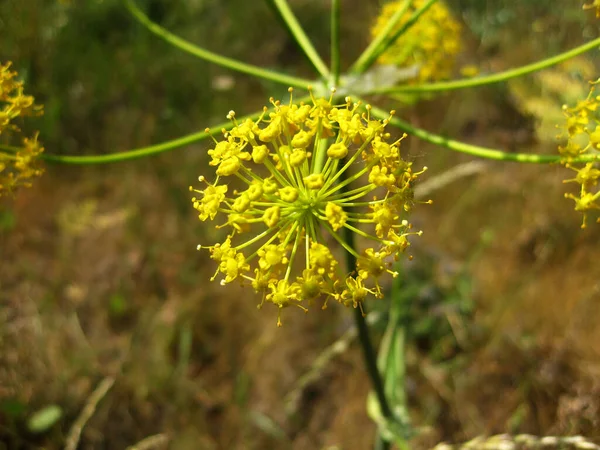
[{"x": 289, "y": 183}]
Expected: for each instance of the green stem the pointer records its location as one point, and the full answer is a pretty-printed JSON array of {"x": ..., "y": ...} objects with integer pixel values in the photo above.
[
  {"x": 150, "y": 150},
  {"x": 369, "y": 354},
  {"x": 335, "y": 42},
  {"x": 392, "y": 38},
  {"x": 494, "y": 78},
  {"x": 361, "y": 63},
  {"x": 215, "y": 58},
  {"x": 475, "y": 150},
  {"x": 10, "y": 148},
  {"x": 300, "y": 37},
  {"x": 382, "y": 444},
  {"x": 141, "y": 152}
]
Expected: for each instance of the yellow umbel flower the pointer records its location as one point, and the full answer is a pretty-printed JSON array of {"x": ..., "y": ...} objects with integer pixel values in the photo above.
[
  {"x": 295, "y": 177},
  {"x": 430, "y": 45},
  {"x": 581, "y": 136},
  {"x": 17, "y": 163}
]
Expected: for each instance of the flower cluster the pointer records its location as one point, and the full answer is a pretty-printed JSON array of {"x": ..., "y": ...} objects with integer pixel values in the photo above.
[
  {"x": 431, "y": 44},
  {"x": 17, "y": 163},
  {"x": 582, "y": 137},
  {"x": 595, "y": 4},
  {"x": 292, "y": 181}
]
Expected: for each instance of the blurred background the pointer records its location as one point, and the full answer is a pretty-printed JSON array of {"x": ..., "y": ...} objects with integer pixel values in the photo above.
[{"x": 101, "y": 283}]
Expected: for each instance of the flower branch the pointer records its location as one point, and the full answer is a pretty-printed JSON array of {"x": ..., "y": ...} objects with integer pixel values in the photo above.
[{"x": 215, "y": 58}]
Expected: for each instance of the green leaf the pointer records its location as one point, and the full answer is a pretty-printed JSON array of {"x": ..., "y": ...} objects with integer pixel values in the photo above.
[{"x": 43, "y": 419}]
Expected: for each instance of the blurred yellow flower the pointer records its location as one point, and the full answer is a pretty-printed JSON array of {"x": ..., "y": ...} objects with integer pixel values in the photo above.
[
  {"x": 17, "y": 162},
  {"x": 594, "y": 4},
  {"x": 431, "y": 44}
]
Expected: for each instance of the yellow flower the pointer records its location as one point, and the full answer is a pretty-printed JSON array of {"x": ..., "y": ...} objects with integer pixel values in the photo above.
[
  {"x": 335, "y": 215},
  {"x": 594, "y": 4},
  {"x": 283, "y": 201},
  {"x": 430, "y": 45},
  {"x": 582, "y": 135},
  {"x": 18, "y": 163}
]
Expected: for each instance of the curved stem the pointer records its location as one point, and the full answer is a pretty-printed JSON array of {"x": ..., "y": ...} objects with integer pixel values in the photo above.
[
  {"x": 494, "y": 78},
  {"x": 475, "y": 150},
  {"x": 215, "y": 58},
  {"x": 335, "y": 42},
  {"x": 150, "y": 150},
  {"x": 140, "y": 152},
  {"x": 300, "y": 36}
]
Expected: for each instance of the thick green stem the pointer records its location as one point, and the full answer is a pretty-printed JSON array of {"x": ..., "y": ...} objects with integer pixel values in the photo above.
[
  {"x": 370, "y": 358},
  {"x": 215, "y": 58},
  {"x": 335, "y": 42},
  {"x": 475, "y": 150},
  {"x": 382, "y": 444},
  {"x": 494, "y": 78},
  {"x": 369, "y": 354},
  {"x": 300, "y": 37}
]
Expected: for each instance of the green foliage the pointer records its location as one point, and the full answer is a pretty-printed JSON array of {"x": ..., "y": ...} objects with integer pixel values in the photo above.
[{"x": 44, "y": 419}]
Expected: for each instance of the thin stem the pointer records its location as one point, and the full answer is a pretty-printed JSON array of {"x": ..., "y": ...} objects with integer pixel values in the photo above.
[
  {"x": 349, "y": 248},
  {"x": 335, "y": 41},
  {"x": 361, "y": 63},
  {"x": 215, "y": 58},
  {"x": 146, "y": 151},
  {"x": 391, "y": 39},
  {"x": 10, "y": 148},
  {"x": 140, "y": 152},
  {"x": 300, "y": 37},
  {"x": 494, "y": 78},
  {"x": 475, "y": 150}
]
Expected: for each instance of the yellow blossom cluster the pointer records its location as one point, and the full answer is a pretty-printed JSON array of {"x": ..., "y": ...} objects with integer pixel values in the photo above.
[
  {"x": 293, "y": 182},
  {"x": 595, "y": 4},
  {"x": 17, "y": 163},
  {"x": 582, "y": 137},
  {"x": 431, "y": 44}
]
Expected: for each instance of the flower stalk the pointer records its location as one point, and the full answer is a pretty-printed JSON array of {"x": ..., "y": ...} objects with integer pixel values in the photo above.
[{"x": 215, "y": 58}]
